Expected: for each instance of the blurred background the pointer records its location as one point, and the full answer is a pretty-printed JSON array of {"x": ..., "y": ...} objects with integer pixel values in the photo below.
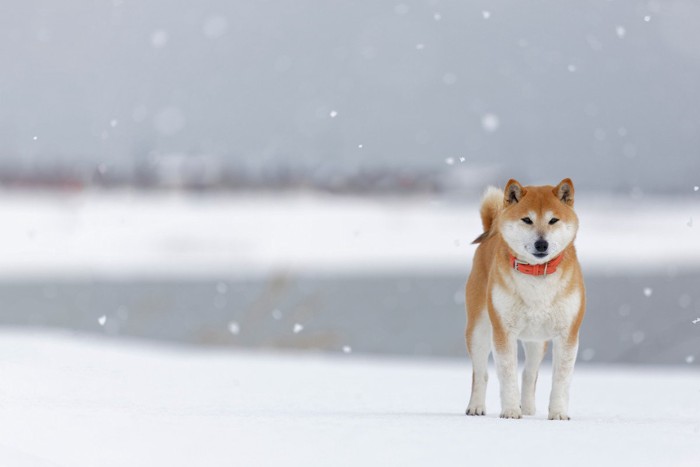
[{"x": 306, "y": 175}]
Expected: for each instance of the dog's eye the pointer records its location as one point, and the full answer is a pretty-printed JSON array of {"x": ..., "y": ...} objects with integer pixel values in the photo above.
[
  {"x": 527, "y": 220},
  {"x": 553, "y": 220}
]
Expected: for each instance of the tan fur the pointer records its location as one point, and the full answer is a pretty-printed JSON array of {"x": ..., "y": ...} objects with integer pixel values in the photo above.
[
  {"x": 491, "y": 266},
  {"x": 492, "y": 257}
]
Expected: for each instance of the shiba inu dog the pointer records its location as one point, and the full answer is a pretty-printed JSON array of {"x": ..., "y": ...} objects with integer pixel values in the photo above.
[{"x": 525, "y": 284}]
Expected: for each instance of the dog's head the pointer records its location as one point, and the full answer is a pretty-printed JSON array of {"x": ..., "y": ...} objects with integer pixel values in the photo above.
[{"x": 538, "y": 222}]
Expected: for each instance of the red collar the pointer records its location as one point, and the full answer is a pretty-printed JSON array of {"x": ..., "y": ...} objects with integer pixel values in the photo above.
[{"x": 536, "y": 269}]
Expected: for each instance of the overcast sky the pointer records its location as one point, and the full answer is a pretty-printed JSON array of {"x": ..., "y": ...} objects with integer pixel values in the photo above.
[{"x": 603, "y": 91}]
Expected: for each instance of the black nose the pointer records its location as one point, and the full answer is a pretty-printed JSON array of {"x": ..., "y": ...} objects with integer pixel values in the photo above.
[{"x": 541, "y": 245}]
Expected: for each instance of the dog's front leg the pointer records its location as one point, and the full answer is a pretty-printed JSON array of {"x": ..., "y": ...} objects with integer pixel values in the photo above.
[
  {"x": 506, "y": 356},
  {"x": 564, "y": 356}
]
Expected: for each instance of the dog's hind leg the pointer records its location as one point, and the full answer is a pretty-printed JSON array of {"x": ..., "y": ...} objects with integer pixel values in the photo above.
[
  {"x": 534, "y": 353},
  {"x": 479, "y": 347}
]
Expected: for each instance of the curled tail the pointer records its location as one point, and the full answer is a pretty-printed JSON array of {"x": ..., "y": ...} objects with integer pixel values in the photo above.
[{"x": 491, "y": 205}]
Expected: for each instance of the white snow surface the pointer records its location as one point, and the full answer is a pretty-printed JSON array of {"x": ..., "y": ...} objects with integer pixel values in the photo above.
[
  {"x": 127, "y": 234},
  {"x": 74, "y": 401}
]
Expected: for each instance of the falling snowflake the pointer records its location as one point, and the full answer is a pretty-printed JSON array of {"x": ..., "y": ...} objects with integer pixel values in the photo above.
[
  {"x": 113, "y": 123},
  {"x": 333, "y": 114},
  {"x": 695, "y": 188},
  {"x": 571, "y": 68},
  {"x": 486, "y": 14},
  {"x": 690, "y": 359},
  {"x": 298, "y": 328},
  {"x": 102, "y": 320},
  {"x": 647, "y": 18},
  {"x": 36, "y": 138},
  {"x": 159, "y": 39},
  {"x": 360, "y": 146},
  {"x": 420, "y": 46},
  {"x": 696, "y": 321},
  {"x": 647, "y": 291},
  {"x": 347, "y": 349},
  {"x": 234, "y": 328},
  {"x": 276, "y": 314},
  {"x": 449, "y": 161},
  {"x": 437, "y": 16},
  {"x": 620, "y": 31},
  {"x": 462, "y": 159},
  {"x": 490, "y": 122}
]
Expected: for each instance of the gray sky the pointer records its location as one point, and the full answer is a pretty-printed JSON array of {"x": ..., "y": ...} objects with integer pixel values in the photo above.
[{"x": 603, "y": 91}]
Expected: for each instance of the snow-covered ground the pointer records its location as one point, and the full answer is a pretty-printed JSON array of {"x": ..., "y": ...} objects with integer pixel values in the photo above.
[
  {"x": 73, "y": 401},
  {"x": 163, "y": 234}
]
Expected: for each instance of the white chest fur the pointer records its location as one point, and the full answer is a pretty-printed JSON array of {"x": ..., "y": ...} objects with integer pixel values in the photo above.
[{"x": 536, "y": 307}]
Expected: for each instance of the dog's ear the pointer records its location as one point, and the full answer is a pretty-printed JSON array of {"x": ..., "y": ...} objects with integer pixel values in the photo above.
[
  {"x": 513, "y": 193},
  {"x": 565, "y": 192}
]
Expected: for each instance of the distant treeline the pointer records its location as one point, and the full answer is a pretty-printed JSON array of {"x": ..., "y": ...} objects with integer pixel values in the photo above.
[{"x": 202, "y": 174}]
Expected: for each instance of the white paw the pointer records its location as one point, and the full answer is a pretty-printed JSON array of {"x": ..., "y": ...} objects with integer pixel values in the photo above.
[
  {"x": 558, "y": 415},
  {"x": 476, "y": 410},
  {"x": 513, "y": 412},
  {"x": 529, "y": 408}
]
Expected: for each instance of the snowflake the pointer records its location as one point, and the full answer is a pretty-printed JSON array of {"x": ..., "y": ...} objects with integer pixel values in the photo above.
[
  {"x": 159, "y": 38},
  {"x": 490, "y": 122}
]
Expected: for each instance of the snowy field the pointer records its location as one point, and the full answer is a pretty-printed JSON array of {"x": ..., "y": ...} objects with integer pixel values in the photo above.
[
  {"x": 73, "y": 401},
  {"x": 383, "y": 275},
  {"x": 119, "y": 234}
]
